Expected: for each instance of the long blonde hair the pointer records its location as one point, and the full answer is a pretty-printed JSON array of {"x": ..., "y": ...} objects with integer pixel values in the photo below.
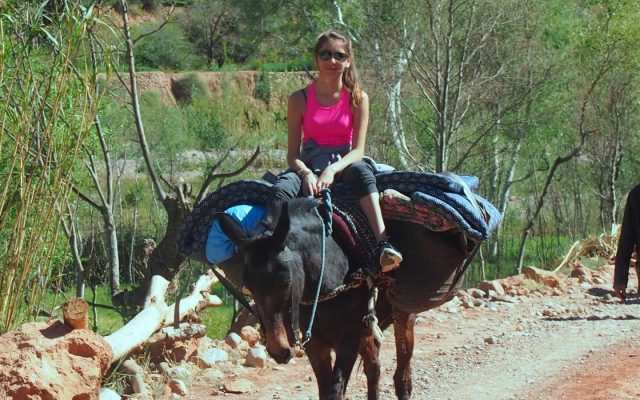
[{"x": 350, "y": 77}]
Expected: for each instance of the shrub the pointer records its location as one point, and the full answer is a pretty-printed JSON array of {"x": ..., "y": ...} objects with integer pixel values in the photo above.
[
  {"x": 165, "y": 128},
  {"x": 189, "y": 88},
  {"x": 262, "y": 90},
  {"x": 166, "y": 49},
  {"x": 149, "y": 5},
  {"x": 204, "y": 125}
]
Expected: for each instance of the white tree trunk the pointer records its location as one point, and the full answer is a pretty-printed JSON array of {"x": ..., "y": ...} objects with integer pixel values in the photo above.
[{"x": 157, "y": 314}]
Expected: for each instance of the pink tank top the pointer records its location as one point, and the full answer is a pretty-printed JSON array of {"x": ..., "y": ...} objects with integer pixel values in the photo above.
[{"x": 327, "y": 125}]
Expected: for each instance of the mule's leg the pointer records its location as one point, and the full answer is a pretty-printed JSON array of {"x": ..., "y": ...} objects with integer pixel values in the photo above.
[
  {"x": 403, "y": 324},
  {"x": 346, "y": 356},
  {"x": 319, "y": 357},
  {"x": 369, "y": 351}
]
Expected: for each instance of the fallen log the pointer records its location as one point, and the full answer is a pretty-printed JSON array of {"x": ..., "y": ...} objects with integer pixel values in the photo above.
[
  {"x": 60, "y": 361},
  {"x": 184, "y": 332},
  {"x": 144, "y": 324},
  {"x": 198, "y": 300},
  {"x": 156, "y": 314},
  {"x": 146, "y": 328}
]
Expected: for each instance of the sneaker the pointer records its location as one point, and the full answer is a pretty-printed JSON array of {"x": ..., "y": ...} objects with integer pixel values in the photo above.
[{"x": 389, "y": 257}]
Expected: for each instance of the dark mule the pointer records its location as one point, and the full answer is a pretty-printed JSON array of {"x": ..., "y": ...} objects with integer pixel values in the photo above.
[{"x": 282, "y": 271}]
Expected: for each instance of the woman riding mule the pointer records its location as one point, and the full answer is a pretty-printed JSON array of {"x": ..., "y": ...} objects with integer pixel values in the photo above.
[
  {"x": 284, "y": 267},
  {"x": 327, "y": 128}
]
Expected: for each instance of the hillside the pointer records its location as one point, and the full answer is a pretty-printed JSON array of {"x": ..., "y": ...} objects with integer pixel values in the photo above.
[{"x": 219, "y": 83}]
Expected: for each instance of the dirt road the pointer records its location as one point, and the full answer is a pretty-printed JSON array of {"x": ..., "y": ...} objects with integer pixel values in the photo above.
[{"x": 580, "y": 344}]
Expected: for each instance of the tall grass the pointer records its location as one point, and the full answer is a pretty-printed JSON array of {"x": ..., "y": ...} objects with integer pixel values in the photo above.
[{"x": 48, "y": 108}]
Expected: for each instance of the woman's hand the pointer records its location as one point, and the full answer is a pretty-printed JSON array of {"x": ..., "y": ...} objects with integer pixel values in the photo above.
[
  {"x": 326, "y": 179},
  {"x": 309, "y": 184}
]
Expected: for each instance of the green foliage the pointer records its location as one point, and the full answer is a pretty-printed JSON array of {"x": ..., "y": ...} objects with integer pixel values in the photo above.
[
  {"x": 303, "y": 63},
  {"x": 189, "y": 88},
  {"x": 262, "y": 90},
  {"x": 166, "y": 49},
  {"x": 150, "y": 5},
  {"x": 204, "y": 126},
  {"x": 165, "y": 128},
  {"x": 210, "y": 27},
  {"x": 218, "y": 319},
  {"x": 47, "y": 112}
]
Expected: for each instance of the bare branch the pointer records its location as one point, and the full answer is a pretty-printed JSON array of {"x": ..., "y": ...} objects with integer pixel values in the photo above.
[
  {"x": 211, "y": 177},
  {"x": 165, "y": 21}
]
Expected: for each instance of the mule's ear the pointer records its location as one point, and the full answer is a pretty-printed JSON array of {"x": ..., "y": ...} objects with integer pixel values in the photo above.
[
  {"x": 232, "y": 229},
  {"x": 282, "y": 227}
]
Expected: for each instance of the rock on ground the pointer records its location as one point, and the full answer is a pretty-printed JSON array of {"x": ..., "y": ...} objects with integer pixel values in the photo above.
[{"x": 42, "y": 360}]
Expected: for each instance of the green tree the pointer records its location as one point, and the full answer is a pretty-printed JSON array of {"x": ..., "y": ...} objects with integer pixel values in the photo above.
[
  {"x": 210, "y": 26},
  {"x": 165, "y": 48}
]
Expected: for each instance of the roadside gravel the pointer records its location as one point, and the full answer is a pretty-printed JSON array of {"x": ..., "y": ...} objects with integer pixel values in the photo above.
[{"x": 579, "y": 344}]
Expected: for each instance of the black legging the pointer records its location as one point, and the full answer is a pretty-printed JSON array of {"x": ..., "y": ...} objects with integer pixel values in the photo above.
[{"x": 358, "y": 176}]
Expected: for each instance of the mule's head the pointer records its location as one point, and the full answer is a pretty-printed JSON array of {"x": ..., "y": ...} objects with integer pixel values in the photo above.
[{"x": 273, "y": 275}]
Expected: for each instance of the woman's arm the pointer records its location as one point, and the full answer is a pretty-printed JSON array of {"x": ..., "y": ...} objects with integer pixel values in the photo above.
[
  {"x": 360, "y": 125},
  {"x": 295, "y": 111}
]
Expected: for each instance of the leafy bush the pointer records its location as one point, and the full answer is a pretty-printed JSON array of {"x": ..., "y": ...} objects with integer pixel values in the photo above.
[
  {"x": 204, "y": 125},
  {"x": 301, "y": 64},
  {"x": 189, "y": 88},
  {"x": 165, "y": 127},
  {"x": 166, "y": 49},
  {"x": 149, "y": 5},
  {"x": 262, "y": 90},
  {"x": 230, "y": 67}
]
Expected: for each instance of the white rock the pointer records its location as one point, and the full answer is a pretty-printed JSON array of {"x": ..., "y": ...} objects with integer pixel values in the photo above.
[
  {"x": 108, "y": 394},
  {"x": 209, "y": 358},
  {"x": 256, "y": 357},
  {"x": 233, "y": 340},
  {"x": 238, "y": 386},
  {"x": 212, "y": 374}
]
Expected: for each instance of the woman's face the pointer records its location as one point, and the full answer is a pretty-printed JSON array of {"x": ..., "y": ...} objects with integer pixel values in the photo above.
[{"x": 332, "y": 57}]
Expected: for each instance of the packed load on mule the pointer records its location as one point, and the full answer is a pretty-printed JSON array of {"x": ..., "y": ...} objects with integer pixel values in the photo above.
[{"x": 439, "y": 203}]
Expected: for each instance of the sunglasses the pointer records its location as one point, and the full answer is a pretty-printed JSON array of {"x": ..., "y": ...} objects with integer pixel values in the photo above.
[{"x": 326, "y": 55}]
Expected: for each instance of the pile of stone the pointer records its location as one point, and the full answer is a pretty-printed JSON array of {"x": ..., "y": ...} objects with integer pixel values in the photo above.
[
  {"x": 174, "y": 365},
  {"x": 532, "y": 282}
]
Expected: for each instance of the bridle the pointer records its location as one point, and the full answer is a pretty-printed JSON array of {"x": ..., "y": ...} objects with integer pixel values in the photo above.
[{"x": 296, "y": 292}]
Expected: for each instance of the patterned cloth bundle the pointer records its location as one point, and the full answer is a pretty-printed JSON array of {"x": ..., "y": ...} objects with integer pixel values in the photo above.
[{"x": 438, "y": 201}]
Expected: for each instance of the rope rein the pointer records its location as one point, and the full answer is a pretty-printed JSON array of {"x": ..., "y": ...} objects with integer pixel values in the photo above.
[{"x": 327, "y": 228}]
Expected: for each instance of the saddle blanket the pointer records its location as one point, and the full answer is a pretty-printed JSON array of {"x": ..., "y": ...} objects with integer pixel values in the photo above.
[{"x": 438, "y": 201}]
